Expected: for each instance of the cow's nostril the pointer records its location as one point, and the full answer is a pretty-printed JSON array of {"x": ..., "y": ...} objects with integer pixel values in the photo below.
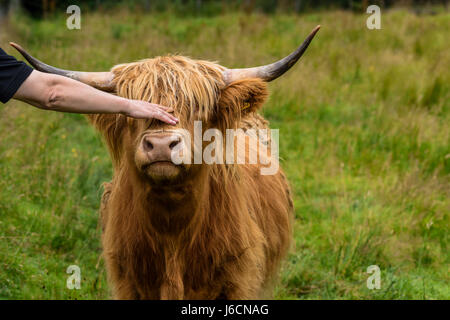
[
  {"x": 158, "y": 144},
  {"x": 174, "y": 143},
  {"x": 148, "y": 145}
]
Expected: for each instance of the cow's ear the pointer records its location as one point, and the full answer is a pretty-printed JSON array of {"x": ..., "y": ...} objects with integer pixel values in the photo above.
[
  {"x": 112, "y": 127},
  {"x": 239, "y": 98}
]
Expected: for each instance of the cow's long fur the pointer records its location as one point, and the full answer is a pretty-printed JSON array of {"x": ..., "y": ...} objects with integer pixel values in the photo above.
[{"x": 217, "y": 234}]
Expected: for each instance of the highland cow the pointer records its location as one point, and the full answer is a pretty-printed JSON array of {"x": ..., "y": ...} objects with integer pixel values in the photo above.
[{"x": 189, "y": 231}]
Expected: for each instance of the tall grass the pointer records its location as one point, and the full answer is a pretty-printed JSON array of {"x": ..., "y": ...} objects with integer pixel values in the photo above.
[{"x": 364, "y": 138}]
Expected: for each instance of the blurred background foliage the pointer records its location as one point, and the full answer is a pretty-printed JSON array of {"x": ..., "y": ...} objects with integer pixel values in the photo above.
[{"x": 43, "y": 8}]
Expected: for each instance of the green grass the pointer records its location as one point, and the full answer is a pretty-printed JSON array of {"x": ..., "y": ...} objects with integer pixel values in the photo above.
[{"x": 364, "y": 137}]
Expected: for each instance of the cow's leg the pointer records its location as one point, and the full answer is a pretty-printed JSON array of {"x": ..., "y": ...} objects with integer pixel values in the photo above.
[
  {"x": 239, "y": 291},
  {"x": 122, "y": 288},
  {"x": 243, "y": 278}
]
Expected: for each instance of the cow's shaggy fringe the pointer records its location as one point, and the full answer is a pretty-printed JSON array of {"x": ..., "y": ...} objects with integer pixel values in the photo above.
[
  {"x": 214, "y": 234},
  {"x": 193, "y": 88}
]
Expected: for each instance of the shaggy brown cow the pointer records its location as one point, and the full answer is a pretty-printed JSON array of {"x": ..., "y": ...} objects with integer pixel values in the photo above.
[{"x": 189, "y": 231}]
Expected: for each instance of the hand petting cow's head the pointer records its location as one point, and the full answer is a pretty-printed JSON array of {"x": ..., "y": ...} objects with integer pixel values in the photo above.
[{"x": 194, "y": 89}]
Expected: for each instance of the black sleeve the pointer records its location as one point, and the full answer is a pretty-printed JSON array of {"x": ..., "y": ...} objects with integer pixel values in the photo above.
[{"x": 12, "y": 74}]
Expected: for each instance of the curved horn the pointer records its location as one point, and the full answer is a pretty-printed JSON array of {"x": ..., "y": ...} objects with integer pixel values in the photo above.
[
  {"x": 271, "y": 71},
  {"x": 99, "y": 80}
]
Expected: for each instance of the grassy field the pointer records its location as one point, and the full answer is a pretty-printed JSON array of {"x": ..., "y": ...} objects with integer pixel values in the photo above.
[{"x": 364, "y": 137}]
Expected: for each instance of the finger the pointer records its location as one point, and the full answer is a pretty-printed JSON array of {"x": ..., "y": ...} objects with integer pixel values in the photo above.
[
  {"x": 171, "y": 116},
  {"x": 168, "y": 110},
  {"x": 161, "y": 107},
  {"x": 165, "y": 117}
]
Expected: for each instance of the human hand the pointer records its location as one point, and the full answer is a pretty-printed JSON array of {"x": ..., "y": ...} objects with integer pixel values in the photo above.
[{"x": 144, "y": 110}]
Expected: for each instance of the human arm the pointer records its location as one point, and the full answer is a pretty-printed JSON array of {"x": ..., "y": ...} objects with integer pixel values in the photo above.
[{"x": 54, "y": 92}]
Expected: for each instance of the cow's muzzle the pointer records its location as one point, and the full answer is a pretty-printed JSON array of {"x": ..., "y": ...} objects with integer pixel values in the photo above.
[
  {"x": 159, "y": 146},
  {"x": 154, "y": 155}
]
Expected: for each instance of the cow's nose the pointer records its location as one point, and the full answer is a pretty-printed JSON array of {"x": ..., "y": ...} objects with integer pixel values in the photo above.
[{"x": 160, "y": 144}]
